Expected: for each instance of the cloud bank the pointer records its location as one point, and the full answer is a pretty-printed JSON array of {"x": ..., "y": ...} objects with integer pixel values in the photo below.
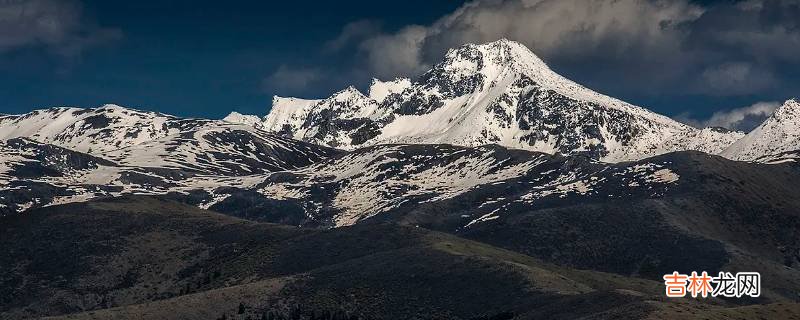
[
  {"x": 743, "y": 119},
  {"x": 644, "y": 46}
]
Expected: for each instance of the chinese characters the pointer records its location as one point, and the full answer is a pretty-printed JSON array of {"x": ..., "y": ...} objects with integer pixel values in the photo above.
[{"x": 725, "y": 284}]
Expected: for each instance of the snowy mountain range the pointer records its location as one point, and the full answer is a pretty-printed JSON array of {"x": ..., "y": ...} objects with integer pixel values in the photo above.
[
  {"x": 486, "y": 114},
  {"x": 626, "y": 218},
  {"x": 62, "y": 155},
  {"x": 489, "y": 172},
  {"x": 498, "y": 93},
  {"x": 262, "y": 176},
  {"x": 102, "y": 129},
  {"x": 148, "y": 139}
]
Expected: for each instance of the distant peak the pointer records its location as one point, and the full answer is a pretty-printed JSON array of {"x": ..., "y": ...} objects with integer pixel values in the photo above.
[
  {"x": 504, "y": 51},
  {"x": 276, "y": 99},
  {"x": 503, "y": 43},
  {"x": 110, "y": 107},
  {"x": 238, "y": 118},
  {"x": 349, "y": 92},
  {"x": 118, "y": 109},
  {"x": 506, "y": 44},
  {"x": 290, "y": 103},
  {"x": 234, "y": 114},
  {"x": 494, "y": 58}
]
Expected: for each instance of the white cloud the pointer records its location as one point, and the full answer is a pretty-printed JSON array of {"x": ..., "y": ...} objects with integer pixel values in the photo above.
[
  {"x": 740, "y": 119},
  {"x": 562, "y": 29},
  {"x": 396, "y": 54},
  {"x": 635, "y": 46},
  {"x": 354, "y": 31},
  {"x": 569, "y": 26}
]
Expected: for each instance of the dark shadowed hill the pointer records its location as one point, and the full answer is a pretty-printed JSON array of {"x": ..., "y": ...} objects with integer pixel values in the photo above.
[
  {"x": 717, "y": 215},
  {"x": 144, "y": 258},
  {"x": 684, "y": 211}
]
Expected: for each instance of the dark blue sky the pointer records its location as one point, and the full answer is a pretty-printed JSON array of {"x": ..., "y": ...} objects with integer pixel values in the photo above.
[
  {"x": 207, "y": 58},
  {"x": 192, "y": 58}
]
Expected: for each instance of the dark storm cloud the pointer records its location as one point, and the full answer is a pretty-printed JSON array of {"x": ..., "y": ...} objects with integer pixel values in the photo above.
[
  {"x": 56, "y": 25},
  {"x": 764, "y": 30},
  {"x": 643, "y": 46},
  {"x": 747, "y": 47}
]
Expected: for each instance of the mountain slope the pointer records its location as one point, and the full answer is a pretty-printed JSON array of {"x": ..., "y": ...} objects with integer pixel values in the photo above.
[
  {"x": 498, "y": 92},
  {"x": 99, "y": 130},
  {"x": 372, "y": 181},
  {"x": 186, "y": 159},
  {"x": 775, "y": 140},
  {"x": 34, "y": 174},
  {"x": 515, "y": 199},
  {"x": 626, "y": 218},
  {"x": 140, "y": 138},
  {"x": 711, "y": 140},
  {"x": 222, "y": 150},
  {"x": 719, "y": 214}
]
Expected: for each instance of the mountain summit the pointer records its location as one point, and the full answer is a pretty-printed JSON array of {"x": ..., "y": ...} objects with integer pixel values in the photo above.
[
  {"x": 775, "y": 140},
  {"x": 494, "y": 93}
]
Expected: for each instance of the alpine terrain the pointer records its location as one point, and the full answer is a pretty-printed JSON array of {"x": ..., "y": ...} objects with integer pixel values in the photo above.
[{"x": 489, "y": 187}]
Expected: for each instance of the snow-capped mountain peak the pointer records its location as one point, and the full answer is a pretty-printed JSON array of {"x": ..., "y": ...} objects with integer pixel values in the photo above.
[
  {"x": 499, "y": 92},
  {"x": 775, "y": 140},
  {"x": 235, "y": 117},
  {"x": 287, "y": 113},
  {"x": 509, "y": 58},
  {"x": 349, "y": 99},
  {"x": 493, "y": 56}
]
